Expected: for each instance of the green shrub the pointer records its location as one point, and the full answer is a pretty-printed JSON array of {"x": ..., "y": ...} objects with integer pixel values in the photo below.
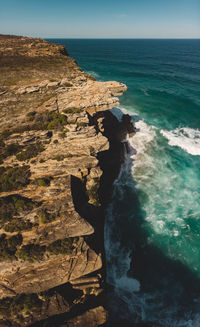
[
  {"x": 31, "y": 115},
  {"x": 55, "y": 141},
  {"x": 23, "y": 304},
  {"x": 17, "y": 225},
  {"x": 13, "y": 178},
  {"x": 43, "y": 181},
  {"x": 9, "y": 150},
  {"x": 30, "y": 151},
  {"x": 8, "y": 246},
  {"x": 14, "y": 241},
  {"x": 44, "y": 216},
  {"x": 65, "y": 246},
  {"x": 12, "y": 205},
  {"x": 72, "y": 110},
  {"x": 49, "y": 120},
  {"x": 31, "y": 252},
  {"x": 58, "y": 158}
]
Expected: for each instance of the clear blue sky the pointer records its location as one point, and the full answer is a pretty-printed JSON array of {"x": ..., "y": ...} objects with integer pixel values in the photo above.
[{"x": 101, "y": 18}]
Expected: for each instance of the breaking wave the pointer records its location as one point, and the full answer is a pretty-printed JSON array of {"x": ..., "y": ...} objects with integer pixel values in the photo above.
[{"x": 186, "y": 138}]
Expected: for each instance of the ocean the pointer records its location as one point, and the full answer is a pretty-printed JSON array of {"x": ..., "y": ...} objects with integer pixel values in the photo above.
[{"x": 152, "y": 228}]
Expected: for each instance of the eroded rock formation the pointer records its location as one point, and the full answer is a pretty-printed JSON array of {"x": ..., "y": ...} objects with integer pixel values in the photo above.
[{"x": 58, "y": 147}]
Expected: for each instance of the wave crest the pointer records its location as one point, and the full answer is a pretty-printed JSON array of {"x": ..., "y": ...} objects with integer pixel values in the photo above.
[{"x": 186, "y": 138}]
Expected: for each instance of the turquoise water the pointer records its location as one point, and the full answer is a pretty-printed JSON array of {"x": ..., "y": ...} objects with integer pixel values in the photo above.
[{"x": 152, "y": 232}]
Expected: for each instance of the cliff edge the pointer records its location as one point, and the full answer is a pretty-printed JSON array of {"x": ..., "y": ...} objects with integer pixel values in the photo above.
[{"x": 58, "y": 144}]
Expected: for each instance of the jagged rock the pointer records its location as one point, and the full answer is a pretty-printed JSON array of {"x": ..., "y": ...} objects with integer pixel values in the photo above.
[{"x": 52, "y": 121}]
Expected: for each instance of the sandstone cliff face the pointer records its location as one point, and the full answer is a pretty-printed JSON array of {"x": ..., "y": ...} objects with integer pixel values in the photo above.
[{"x": 53, "y": 139}]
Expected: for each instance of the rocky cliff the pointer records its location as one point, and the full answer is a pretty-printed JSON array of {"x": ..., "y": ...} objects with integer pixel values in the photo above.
[{"x": 60, "y": 151}]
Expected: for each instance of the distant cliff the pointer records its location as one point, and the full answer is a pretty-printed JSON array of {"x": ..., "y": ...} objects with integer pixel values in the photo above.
[{"x": 60, "y": 151}]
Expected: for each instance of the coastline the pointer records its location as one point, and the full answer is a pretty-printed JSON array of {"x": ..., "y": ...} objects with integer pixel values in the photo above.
[{"x": 61, "y": 141}]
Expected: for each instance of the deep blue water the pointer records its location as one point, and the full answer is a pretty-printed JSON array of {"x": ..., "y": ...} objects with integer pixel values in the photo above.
[{"x": 152, "y": 232}]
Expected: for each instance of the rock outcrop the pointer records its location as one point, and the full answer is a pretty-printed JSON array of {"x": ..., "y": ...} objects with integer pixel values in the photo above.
[{"x": 58, "y": 147}]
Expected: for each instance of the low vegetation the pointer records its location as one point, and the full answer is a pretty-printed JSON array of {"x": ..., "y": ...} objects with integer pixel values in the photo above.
[
  {"x": 31, "y": 252},
  {"x": 13, "y": 178},
  {"x": 8, "y": 246},
  {"x": 9, "y": 150},
  {"x": 11, "y": 206},
  {"x": 65, "y": 246},
  {"x": 35, "y": 252},
  {"x": 59, "y": 157},
  {"x": 43, "y": 181},
  {"x": 30, "y": 151},
  {"x": 31, "y": 115},
  {"x": 45, "y": 217},
  {"x": 72, "y": 110},
  {"x": 17, "y": 225},
  {"x": 48, "y": 121},
  {"x": 20, "y": 306}
]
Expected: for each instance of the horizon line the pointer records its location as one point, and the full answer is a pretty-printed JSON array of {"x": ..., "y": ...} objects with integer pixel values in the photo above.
[{"x": 123, "y": 38}]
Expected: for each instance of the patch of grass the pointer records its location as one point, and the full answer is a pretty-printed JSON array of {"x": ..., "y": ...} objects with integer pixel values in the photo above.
[
  {"x": 65, "y": 246},
  {"x": 13, "y": 178},
  {"x": 31, "y": 252},
  {"x": 17, "y": 225},
  {"x": 30, "y": 151}
]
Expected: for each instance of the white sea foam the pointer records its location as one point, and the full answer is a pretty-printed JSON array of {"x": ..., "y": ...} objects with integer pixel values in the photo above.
[
  {"x": 144, "y": 136},
  {"x": 186, "y": 138}
]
